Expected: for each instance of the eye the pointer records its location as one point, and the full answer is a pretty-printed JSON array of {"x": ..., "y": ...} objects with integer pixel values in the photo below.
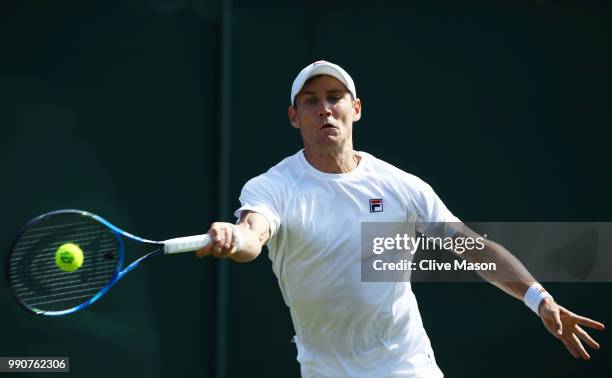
[
  {"x": 334, "y": 98},
  {"x": 310, "y": 100}
]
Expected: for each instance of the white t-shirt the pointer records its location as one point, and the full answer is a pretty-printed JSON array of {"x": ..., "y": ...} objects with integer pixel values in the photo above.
[{"x": 344, "y": 327}]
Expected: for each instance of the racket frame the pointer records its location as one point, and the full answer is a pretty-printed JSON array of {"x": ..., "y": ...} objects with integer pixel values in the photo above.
[{"x": 118, "y": 274}]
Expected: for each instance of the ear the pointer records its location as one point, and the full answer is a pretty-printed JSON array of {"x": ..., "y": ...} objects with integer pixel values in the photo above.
[
  {"x": 292, "y": 113},
  {"x": 356, "y": 110}
]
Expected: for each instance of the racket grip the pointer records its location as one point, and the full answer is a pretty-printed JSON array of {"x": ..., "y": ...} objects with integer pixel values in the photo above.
[{"x": 185, "y": 244}]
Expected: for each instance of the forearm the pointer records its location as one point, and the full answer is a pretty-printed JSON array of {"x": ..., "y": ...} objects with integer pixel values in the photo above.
[{"x": 510, "y": 275}]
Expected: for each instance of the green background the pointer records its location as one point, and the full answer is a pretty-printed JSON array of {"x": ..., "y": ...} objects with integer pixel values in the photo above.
[{"x": 124, "y": 108}]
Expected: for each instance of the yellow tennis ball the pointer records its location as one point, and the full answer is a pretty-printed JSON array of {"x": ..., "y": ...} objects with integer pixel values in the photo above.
[{"x": 69, "y": 257}]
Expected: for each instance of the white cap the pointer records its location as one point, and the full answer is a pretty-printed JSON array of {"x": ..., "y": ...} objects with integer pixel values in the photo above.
[{"x": 322, "y": 67}]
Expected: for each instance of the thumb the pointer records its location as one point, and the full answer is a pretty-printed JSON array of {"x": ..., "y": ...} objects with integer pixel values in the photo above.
[
  {"x": 204, "y": 251},
  {"x": 557, "y": 325}
]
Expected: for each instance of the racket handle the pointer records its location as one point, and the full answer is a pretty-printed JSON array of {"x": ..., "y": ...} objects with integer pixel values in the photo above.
[{"x": 186, "y": 244}]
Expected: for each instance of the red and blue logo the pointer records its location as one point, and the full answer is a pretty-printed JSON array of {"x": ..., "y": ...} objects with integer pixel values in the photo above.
[{"x": 376, "y": 205}]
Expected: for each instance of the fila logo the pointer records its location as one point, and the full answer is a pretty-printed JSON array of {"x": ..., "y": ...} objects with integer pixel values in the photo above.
[{"x": 376, "y": 205}]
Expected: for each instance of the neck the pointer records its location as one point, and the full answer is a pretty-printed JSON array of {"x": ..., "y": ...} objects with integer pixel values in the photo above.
[{"x": 332, "y": 162}]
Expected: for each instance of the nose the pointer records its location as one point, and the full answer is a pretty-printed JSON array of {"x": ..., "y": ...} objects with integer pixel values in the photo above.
[{"x": 325, "y": 109}]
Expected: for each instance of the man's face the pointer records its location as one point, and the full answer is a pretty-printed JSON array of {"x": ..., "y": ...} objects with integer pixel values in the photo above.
[{"x": 324, "y": 112}]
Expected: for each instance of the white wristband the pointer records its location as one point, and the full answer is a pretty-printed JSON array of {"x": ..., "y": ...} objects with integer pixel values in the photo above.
[
  {"x": 238, "y": 240},
  {"x": 534, "y": 296}
]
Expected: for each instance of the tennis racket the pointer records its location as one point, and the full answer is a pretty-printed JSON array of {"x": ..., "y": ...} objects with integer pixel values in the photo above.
[{"x": 42, "y": 285}]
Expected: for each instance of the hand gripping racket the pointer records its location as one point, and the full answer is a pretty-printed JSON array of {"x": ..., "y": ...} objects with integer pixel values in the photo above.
[{"x": 65, "y": 260}]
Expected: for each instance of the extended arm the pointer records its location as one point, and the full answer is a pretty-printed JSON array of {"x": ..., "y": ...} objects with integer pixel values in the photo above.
[{"x": 513, "y": 278}]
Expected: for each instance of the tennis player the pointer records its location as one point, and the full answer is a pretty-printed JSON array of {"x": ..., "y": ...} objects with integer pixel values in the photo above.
[{"x": 308, "y": 209}]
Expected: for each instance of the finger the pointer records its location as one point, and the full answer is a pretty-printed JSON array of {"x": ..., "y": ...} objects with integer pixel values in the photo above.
[
  {"x": 227, "y": 245},
  {"x": 218, "y": 238},
  {"x": 582, "y": 334},
  {"x": 571, "y": 349},
  {"x": 214, "y": 233},
  {"x": 223, "y": 250},
  {"x": 225, "y": 242},
  {"x": 205, "y": 251},
  {"x": 557, "y": 325},
  {"x": 579, "y": 347},
  {"x": 588, "y": 322}
]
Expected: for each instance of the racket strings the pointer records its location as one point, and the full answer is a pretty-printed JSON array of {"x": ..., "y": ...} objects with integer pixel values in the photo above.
[{"x": 40, "y": 284}]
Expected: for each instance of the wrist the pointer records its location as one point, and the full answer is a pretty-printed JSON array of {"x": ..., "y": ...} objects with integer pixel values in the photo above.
[
  {"x": 237, "y": 238},
  {"x": 545, "y": 300},
  {"x": 535, "y": 296}
]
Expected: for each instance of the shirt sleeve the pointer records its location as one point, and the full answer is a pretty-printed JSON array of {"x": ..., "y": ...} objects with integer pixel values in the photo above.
[
  {"x": 434, "y": 216},
  {"x": 261, "y": 195},
  {"x": 434, "y": 209}
]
